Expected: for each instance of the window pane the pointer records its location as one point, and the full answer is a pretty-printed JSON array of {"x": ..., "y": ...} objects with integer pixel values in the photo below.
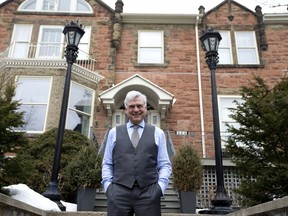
[
  {"x": 245, "y": 39},
  {"x": 82, "y": 6},
  {"x": 151, "y": 39},
  {"x": 84, "y": 44},
  {"x": 150, "y": 55},
  {"x": 225, "y": 42},
  {"x": 21, "y": 40},
  {"x": 77, "y": 121},
  {"x": 34, "y": 117},
  {"x": 26, "y": 87},
  {"x": 73, "y": 6},
  {"x": 224, "y": 56},
  {"x": 49, "y": 5},
  {"x": 150, "y": 47},
  {"x": 246, "y": 47},
  {"x": 33, "y": 94},
  {"x": 80, "y": 108},
  {"x": 154, "y": 120},
  {"x": 81, "y": 99},
  {"x": 29, "y": 5},
  {"x": 50, "y": 44},
  {"x": 64, "y": 5},
  {"x": 224, "y": 50},
  {"x": 247, "y": 56},
  {"x": 225, "y": 103}
]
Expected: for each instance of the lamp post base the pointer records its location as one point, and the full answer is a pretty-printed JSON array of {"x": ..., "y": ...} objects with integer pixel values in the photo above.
[
  {"x": 221, "y": 205},
  {"x": 217, "y": 211},
  {"x": 53, "y": 194}
]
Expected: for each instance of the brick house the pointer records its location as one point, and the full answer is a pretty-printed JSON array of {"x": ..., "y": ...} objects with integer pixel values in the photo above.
[{"x": 158, "y": 54}]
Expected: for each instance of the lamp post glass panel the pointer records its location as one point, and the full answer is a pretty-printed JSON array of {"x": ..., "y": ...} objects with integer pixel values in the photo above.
[
  {"x": 210, "y": 40},
  {"x": 73, "y": 33}
]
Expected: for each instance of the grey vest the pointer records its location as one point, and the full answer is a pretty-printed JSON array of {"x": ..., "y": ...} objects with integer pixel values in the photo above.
[{"x": 138, "y": 164}]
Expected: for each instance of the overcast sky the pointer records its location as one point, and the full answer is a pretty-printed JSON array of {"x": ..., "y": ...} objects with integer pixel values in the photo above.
[{"x": 191, "y": 6}]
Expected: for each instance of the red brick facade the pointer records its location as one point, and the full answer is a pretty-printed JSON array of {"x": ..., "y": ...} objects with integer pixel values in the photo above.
[{"x": 184, "y": 60}]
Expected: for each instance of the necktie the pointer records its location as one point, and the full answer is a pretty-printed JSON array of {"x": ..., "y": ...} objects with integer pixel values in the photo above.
[{"x": 135, "y": 136}]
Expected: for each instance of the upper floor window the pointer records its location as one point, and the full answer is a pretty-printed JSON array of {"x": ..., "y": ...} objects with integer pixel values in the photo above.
[
  {"x": 245, "y": 51},
  {"x": 246, "y": 45},
  {"x": 224, "y": 50},
  {"x": 150, "y": 47},
  {"x": 74, "y": 6},
  {"x": 33, "y": 103},
  {"x": 50, "y": 42},
  {"x": 20, "y": 40}
]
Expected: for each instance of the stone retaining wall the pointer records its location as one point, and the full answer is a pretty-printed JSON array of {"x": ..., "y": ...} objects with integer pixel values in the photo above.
[{"x": 10, "y": 206}]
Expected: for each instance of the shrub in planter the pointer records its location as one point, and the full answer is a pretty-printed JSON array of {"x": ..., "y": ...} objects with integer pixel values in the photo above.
[
  {"x": 187, "y": 172},
  {"x": 84, "y": 174},
  {"x": 85, "y": 169}
]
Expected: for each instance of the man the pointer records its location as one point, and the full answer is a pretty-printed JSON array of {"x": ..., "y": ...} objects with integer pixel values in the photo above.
[{"x": 135, "y": 174}]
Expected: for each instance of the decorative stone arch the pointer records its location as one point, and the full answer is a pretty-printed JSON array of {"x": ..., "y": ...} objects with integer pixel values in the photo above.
[{"x": 157, "y": 97}]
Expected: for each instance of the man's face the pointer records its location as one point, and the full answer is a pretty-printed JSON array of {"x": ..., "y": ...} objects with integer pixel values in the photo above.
[{"x": 136, "y": 110}]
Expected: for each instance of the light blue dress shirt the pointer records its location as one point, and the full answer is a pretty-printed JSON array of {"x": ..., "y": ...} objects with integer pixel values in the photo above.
[{"x": 163, "y": 162}]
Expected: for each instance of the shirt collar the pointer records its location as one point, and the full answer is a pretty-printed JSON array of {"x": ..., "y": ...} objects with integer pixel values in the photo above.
[{"x": 142, "y": 124}]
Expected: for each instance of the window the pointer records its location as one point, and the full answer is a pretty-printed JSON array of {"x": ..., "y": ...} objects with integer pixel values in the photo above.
[
  {"x": 225, "y": 103},
  {"x": 152, "y": 117},
  {"x": 75, "y": 6},
  {"x": 50, "y": 42},
  {"x": 80, "y": 109},
  {"x": 245, "y": 52},
  {"x": 84, "y": 44},
  {"x": 150, "y": 47},
  {"x": 33, "y": 103},
  {"x": 224, "y": 50},
  {"x": 246, "y": 47},
  {"x": 20, "y": 41},
  {"x": 119, "y": 117}
]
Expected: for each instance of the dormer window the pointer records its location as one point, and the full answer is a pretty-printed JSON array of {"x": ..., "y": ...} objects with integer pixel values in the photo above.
[
  {"x": 238, "y": 48},
  {"x": 71, "y": 6}
]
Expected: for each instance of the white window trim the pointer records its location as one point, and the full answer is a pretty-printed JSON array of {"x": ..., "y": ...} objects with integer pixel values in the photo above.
[
  {"x": 162, "y": 45},
  {"x": 48, "y": 101},
  {"x": 253, "y": 47}
]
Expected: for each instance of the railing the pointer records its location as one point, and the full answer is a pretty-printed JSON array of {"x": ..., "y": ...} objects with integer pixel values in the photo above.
[{"x": 43, "y": 51}]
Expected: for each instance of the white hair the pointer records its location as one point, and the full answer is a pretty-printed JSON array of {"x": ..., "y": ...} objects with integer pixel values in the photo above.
[{"x": 134, "y": 94}]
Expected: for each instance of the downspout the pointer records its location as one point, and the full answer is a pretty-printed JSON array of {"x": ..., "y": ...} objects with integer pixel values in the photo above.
[{"x": 200, "y": 89}]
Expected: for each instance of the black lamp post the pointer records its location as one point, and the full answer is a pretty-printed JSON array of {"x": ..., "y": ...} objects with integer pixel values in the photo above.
[
  {"x": 73, "y": 33},
  {"x": 221, "y": 202}
]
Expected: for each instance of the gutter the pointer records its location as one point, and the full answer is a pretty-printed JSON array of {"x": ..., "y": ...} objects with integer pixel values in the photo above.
[{"x": 200, "y": 90}]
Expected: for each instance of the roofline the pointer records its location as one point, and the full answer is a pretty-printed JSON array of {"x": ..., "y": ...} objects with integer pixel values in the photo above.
[
  {"x": 134, "y": 18},
  {"x": 106, "y": 6},
  {"x": 225, "y": 2},
  {"x": 5, "y": 2},
  {"x": 280, "y": 18}
]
